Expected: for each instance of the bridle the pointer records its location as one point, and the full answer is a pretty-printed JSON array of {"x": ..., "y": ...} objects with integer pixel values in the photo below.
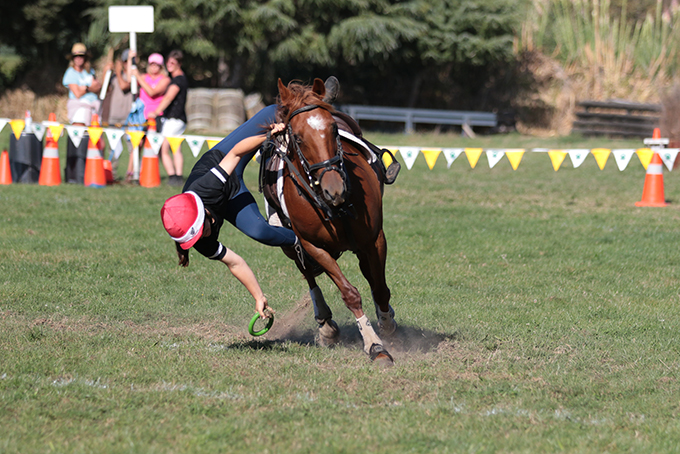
[{"x": 334, "y": 164}]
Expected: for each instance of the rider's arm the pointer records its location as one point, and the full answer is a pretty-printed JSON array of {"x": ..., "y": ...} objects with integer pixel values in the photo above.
[
  {"x": 245, "y": 146},
  {"x": 241, "y": 271}
]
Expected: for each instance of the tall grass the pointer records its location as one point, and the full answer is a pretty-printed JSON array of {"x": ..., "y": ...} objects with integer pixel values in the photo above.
[{"x": 607, "y": 55}]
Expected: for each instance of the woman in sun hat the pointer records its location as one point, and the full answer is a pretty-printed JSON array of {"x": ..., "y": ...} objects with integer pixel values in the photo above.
[
  {"x": 83, "y": 87},
  {"x": 194, "y": 218}
]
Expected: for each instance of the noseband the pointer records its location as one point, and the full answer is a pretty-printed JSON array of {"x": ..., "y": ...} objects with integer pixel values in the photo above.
[{"x": 333, "y": 164}]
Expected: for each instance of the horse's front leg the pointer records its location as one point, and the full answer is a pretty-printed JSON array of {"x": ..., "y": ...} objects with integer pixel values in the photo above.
[
  {"x": 373, "y": 345},
  {"x": 372, "y": 260}
]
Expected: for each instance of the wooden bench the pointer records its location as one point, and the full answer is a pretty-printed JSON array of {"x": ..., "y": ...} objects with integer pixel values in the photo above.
[
  {"x": 410, "y": 117},
  {"x": 617, "y": 118}
]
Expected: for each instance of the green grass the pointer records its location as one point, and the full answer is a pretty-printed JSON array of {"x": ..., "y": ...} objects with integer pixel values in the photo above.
[{"x": 538, "y": 312}]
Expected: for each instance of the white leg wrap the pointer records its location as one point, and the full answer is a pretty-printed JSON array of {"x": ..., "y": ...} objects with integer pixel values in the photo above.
[{"x": 367, "y": 333}]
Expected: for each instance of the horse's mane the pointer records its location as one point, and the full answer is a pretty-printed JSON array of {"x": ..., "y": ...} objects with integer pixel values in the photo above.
[{"x": 302, "y": 96}]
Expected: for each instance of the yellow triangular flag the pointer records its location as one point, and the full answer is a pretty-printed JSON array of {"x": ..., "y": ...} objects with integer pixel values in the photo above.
[
  {"x": 135, "y": 137},
  {"x": 645, "y": 155},
  {"x": 601, "y": 155},
  {"x": 95, "y": 133},
  {"x": 431, "y": 156},
  {"x": 557, "y": 157},
  {"x": 56, "y": 131},
  {"x": 17, "y": 126},
  {"x": 212, "y": 142},
  {"x": 514, "y": 155},
  {"x": 473, "y": 155},
  {"x": 387, "y": 159},
  {"x": 175, "y": 143}
]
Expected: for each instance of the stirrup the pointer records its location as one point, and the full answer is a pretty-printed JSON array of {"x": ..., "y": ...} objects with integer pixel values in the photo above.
[{"x": 393, "y": 170}]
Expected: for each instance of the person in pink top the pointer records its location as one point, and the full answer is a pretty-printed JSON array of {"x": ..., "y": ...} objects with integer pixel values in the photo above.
[{"x": 153, "y": 84}]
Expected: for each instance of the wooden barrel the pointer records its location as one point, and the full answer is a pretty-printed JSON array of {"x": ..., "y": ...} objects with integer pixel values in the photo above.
[
  {"x": 199, "y": 109},
  {"x": 230, "y": 111}
]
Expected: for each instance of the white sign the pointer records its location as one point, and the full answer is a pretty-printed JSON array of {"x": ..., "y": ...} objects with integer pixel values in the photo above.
[{"x": 131, "y": 19}]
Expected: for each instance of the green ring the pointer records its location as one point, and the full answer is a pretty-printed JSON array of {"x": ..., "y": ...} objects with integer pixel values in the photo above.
[{"x": 251, "y": 326}]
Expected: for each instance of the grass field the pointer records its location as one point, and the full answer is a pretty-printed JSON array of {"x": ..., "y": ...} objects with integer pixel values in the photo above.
[{"x": 538, "y": 312}]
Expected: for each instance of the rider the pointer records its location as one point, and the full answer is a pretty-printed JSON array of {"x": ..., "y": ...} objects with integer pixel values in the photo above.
[{"x": 211, "y": 194}]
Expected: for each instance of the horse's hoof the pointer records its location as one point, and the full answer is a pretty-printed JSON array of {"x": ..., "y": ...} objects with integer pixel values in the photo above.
[
  {"x": 329, "y": 333},
  {"x": 379, "y": 355},
  {"x": 386, "y": 323}
]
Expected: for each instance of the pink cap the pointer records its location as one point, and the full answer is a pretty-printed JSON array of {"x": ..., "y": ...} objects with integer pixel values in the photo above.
[
  {"x": 183, "y": 216},
  {"x": 156, "y": 58}
]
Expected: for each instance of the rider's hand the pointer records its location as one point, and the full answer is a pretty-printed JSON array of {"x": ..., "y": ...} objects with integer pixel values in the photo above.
[
  {"x": 263, "y": 308},
  {"x": 277, "y": 128}
]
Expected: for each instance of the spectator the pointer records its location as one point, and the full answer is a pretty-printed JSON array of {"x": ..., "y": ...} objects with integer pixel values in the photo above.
[
  {"x": 83, "y": 87},
  {"x": 118, "y": 100},
  {"x": 174, "y": 115},
  {"x": 153, "y": 84}
]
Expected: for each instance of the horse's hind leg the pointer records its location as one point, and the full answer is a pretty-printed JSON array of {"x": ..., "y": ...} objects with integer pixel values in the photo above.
[
  {"x": 372, "y": 263},
  {"x": 329, "y": 332}
]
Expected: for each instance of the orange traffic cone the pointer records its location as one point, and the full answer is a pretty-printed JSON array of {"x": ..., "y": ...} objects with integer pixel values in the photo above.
[
  {"x": 5, "y": 171},
  {"x": 50, "y": 174},
  {"x": 149, "y": 174},
  {"x": 94, "y": 164},
  {"x": 652, "y": 192}
]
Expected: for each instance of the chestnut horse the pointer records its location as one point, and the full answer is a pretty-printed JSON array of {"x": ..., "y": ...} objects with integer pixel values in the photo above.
[{"x": 334, "y": 202}]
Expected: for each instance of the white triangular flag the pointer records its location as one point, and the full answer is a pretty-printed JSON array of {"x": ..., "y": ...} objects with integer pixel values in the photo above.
[
  {"x": 494, "y": 156},
  {"x": 622, "y": 157},
  {"x": 155, "y": 140},
  {"x": 578, "y": 155},
  {"x": 114, "y": 136},
  {"x": 451, "y": 154},
  {"x": 668, "y": 156},
  {"x": 76, "y": 134},
  {"x": 195, "y": 143},
  {"x": 409, "y": 154},
  {"x": 3, "y": 123},
  {"x": 39, "y": 130}
]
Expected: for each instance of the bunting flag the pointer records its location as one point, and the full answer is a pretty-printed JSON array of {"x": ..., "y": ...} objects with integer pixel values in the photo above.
[
  {"x": 451, "y": 154},
  {"x": 175, "y": 143},
  {"x": 155, "y": 140},
  {"x": 95, "y": 133},
  {"x": 195, "y": 144},
  {"x": 76, "y": 134},
  {"x": 514, "y": 155},
  {"x": 494, "y": 156},
  {"x": 473, "y": 155},
  {"x": 668, "y": 156},
  {"x": 577, "y": 156},
  {"x": 135, "y": 137},
  {"x": 601, "y": 155},
  {"x": 409, "y": 154},
  {"x": 431, "y": 156},
  {"x": 645, "y": 156},
  {"x": 55, "y": 129},
  {"x": 113, "y": 136},
  {"x": 212, "y": 141},
  {"x": 3, "y": 123},
  {"x": 39, "y": 131},
  {"x": 622, "y": 157},
  {"x": 556, "y": 158},
  {"x": 17, "y": 126}
]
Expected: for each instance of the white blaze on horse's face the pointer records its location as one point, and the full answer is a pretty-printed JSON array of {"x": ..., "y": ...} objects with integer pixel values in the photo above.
[{"x": 317, "y": 122}]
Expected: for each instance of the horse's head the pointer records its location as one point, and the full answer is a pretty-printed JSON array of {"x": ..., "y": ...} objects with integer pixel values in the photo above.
[{"x": 313, "y": 134}]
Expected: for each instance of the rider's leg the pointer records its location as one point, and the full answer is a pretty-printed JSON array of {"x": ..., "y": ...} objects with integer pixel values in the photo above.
[{"x": 243, "y": 213}]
